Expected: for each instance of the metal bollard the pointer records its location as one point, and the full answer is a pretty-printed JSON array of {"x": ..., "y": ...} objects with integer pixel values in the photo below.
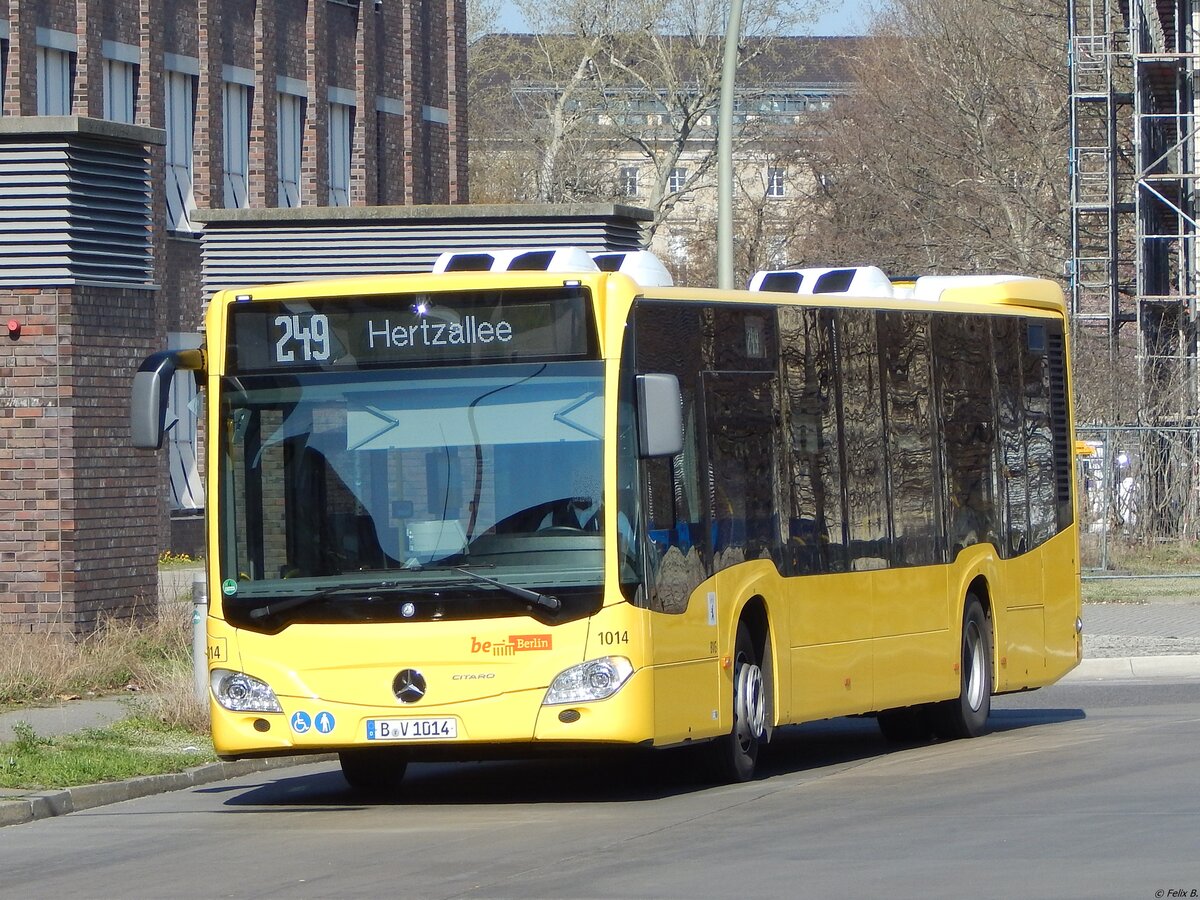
[{"x": 199, "y": 635}]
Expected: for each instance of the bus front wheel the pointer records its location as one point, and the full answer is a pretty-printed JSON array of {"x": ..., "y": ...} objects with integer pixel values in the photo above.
[
  {"x": 377, "y": 771},
  {"x": 966, "y": 715},
  {"x": 735, "y": 755}
]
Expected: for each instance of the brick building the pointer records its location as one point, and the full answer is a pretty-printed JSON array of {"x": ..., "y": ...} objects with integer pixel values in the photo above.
[{"x": 120, "y": 119}]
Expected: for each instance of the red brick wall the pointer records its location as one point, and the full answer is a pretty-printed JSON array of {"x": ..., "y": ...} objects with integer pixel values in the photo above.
[
  {"x": 83, "y": 516},
  {"x": 80, "y": 508},
  {"x": 181, "y": 26},
  {"x": 342, "y": 23},
  {"x": 30, "y": 504},
  {"x": 115, "y": 507},
  {"x": 237, "y": 33}
]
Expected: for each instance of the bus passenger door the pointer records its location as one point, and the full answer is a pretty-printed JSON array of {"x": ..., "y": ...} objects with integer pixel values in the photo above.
[{"x": 743, "y": 426}]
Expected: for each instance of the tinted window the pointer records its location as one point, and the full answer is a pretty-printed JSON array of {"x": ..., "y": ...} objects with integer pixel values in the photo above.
[
  {"x": 813, "y": 473},
  {"x": 1006, "y": 344},
  {"x": 862, "y": 424},
  {"x": 1039, "y": 447},
  {"x": 740, "y": 412},
  {"x": 668, "y": 338},
  {"x": 904, "y": 351},
  {"x": 963, "y": 348}
]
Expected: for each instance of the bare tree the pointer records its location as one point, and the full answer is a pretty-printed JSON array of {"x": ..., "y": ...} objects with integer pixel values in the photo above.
[
  {"x": 534, "y": 102},
  {"x": 600, "y": 81},
  {"x": 674, "y": 67},
  {"x": 771, "y": 221},
  {"x": 483, "y": 17},
  {"x": 952, "y": 154}
]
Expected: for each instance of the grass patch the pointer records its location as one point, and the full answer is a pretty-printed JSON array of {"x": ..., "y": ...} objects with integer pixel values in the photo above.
[
  {"x": 139, "y": 745},
  {"x": 152, "y": 659},
  {"x": 1156, "y": 590},
  {"x": 1166, "y": 561},
  {"x": 167, "y": 731},
  {"x": 1154, "y": 559}
]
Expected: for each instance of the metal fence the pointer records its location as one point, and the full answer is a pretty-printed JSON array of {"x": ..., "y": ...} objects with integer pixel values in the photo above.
[{"x": 1140, "y": 484}]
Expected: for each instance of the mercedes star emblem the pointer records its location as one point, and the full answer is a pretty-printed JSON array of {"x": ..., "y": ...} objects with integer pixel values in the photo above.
[{"x": 409, "y": 686}]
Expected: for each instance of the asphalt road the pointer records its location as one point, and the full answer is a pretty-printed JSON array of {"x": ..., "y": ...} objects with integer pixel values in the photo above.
[{"x": 1086, "y": 790}]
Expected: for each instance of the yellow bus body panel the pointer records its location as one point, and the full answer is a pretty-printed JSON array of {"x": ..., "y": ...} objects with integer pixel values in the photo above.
[{"x": 839, "y": 644}]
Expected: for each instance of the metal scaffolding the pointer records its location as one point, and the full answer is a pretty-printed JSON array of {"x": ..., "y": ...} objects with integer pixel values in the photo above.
[
  {"x": 1134, "y": 231},
  {"x": 1096, "y": 297},
  {"x": 1134, "y": 176}
]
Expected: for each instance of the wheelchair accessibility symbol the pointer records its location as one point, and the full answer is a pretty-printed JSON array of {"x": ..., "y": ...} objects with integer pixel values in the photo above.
[{"x": 301, "y": 722}]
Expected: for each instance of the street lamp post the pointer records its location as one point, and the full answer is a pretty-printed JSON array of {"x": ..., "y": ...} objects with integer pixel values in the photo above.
[{"x": 733, "y": 33}]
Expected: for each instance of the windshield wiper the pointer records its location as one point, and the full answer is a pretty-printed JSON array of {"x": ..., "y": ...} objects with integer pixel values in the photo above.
[
  {"x": 305, "y": 599},
  {"x": 546, "y": 600},
  {"x": 270, "y": 609}
]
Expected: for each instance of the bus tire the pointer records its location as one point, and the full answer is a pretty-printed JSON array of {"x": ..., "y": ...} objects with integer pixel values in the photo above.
[
  {"x": 376, "y": 771},
  {"x": 734, "y": 755},
  {"x": 906, "y": 725},
  {"x": 966, "y": 715}
]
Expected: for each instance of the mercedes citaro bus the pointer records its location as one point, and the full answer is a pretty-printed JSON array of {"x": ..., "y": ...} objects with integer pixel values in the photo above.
[{"x": 538, "y": 500}]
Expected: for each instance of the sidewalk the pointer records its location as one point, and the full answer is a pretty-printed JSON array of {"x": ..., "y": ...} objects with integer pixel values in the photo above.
[
  {"x": 1120, "y": 640},
  {"x": 1140, "y": 640},
  {"x": 19, "y": 806}
]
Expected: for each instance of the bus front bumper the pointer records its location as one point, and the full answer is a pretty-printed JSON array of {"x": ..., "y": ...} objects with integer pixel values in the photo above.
[{"x": 474, "y": 728}]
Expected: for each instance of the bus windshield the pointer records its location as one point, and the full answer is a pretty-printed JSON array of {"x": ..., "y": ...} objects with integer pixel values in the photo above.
[{"x": 407, "y": 478}]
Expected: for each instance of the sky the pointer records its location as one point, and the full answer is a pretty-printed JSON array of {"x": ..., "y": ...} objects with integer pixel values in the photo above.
[
  {"x": 849, "y": 17},
  {"x": 846, "y": 18}
]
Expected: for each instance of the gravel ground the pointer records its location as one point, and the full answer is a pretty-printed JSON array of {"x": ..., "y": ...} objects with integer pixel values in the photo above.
[{"x": 1113, "y": 630}]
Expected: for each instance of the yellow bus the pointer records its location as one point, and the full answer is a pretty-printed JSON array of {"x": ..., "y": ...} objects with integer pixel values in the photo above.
[{"x": 479, "y": 512}]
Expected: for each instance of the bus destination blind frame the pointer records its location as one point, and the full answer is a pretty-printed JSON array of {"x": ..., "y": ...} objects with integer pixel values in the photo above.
[{"x": 406, "y": 329}]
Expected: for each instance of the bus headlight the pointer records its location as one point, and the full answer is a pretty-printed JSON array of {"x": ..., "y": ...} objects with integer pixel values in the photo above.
[
  {"x": 595, "y": 679},
  {"x": 238, "y": 692}
]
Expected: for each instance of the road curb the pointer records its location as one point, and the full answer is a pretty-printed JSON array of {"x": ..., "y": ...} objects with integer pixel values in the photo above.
[
  {"x": 1102, "y": 669},
  {"x": 47, "y": 804}
]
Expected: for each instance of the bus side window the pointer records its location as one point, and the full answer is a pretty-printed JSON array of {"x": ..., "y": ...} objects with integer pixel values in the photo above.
[
  {"x": 964, "y": 367},
  {"x": 862, "y": 419},
  {"x": 812, "y": 463},
  {"x": 1006, "y": 343},
  {"x": 668, "y": 340},
  {"x": 916, "y": 523}
]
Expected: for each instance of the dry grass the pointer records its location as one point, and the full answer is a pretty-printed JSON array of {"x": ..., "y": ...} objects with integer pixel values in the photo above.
[
  {"x": 1167, "y": 558},
  {"x": 152, "y": 660},
  {"x": 1158, "y": 571}
]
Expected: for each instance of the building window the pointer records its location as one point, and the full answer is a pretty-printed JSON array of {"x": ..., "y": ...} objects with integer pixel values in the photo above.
[
  {"x": 776, "y": 180},
  {"x": 290, "y": 124},
  {"x": 180, "y": 122},
  {"x": 120, "y": 81},
  {"x": 628, "y": 181},
  {"x": 677, "y": 180},
  {"x": 54, "y": 81},
  {"x": 236, "y": 144},
  {"x": 341, "y": 130}
]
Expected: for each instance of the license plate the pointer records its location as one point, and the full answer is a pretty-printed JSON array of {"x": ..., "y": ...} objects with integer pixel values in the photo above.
[{"x": 428, "y": 729}]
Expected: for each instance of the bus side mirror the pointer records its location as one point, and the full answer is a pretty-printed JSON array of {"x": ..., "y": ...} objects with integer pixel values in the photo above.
[
  {"x": 660, "y": 416},
  {"x": 151, "y": 386}
]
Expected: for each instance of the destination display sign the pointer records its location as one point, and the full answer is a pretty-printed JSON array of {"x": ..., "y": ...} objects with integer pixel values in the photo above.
[{"x": 410, "y": 329}]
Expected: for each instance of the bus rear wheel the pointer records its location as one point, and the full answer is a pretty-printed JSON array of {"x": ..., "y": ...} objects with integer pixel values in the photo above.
[
  {"x": 376, "y": 771},
  {"x": 734, "y": 755},
  {"x": 966, "y": 715}
]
